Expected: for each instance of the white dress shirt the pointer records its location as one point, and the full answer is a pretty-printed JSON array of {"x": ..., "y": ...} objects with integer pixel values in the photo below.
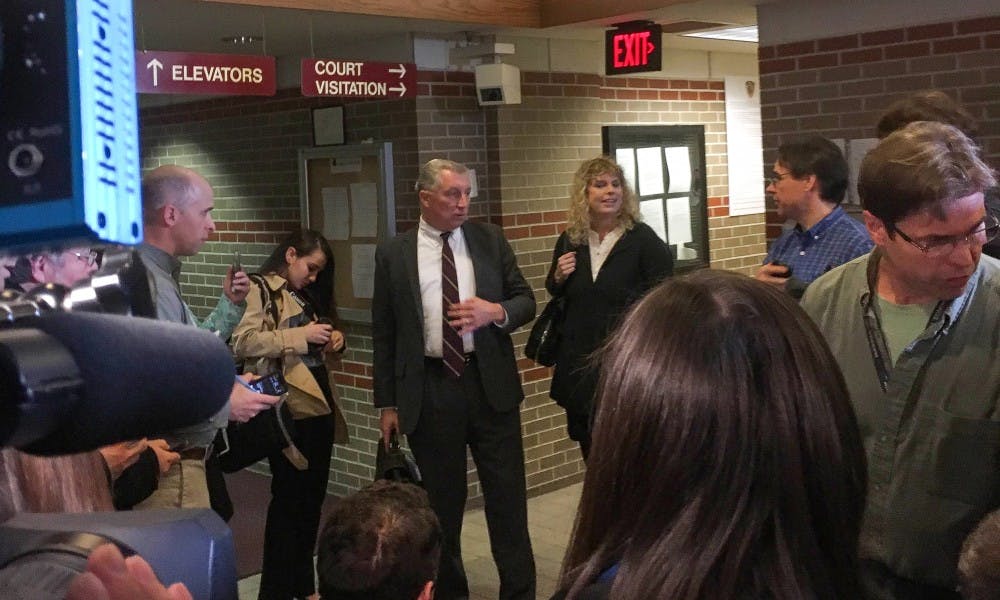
[
  {"x": 429, "y": 267},
  {"x": 599, "y": 249}
]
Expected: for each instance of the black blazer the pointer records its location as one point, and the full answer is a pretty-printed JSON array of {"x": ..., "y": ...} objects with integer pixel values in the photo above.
[
  {"x": 637, "y": 262},
  {"x": 397, "y": 321}
]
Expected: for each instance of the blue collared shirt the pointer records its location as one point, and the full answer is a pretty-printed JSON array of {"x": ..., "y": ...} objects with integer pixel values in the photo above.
[{"x": 835, "y": 240}]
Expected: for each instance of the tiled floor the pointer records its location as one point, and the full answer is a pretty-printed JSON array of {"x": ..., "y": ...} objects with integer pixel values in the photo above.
[{"x": 550, "y": 520}]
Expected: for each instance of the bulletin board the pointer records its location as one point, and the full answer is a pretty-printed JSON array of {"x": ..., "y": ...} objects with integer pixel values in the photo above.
[{"x": 347, "y": 194}]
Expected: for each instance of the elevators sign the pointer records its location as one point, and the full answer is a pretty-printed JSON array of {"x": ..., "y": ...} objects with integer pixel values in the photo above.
[
  {"x": 358, "y": 79},
  {"x": 196, "y": 73}
]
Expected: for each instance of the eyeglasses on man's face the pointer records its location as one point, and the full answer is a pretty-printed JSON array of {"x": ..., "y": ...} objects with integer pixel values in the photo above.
[
  {"x": 88, "y": 257},
  {"x": 774, "y": 179},
  {"x": 941, "y": 246}
]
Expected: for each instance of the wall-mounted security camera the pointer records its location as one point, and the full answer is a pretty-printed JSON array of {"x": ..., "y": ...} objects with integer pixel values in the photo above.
[{"x": 498, "y": 83}]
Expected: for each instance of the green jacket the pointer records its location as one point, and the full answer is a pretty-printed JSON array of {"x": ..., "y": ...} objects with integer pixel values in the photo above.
[{"x": 933, "y": 436}]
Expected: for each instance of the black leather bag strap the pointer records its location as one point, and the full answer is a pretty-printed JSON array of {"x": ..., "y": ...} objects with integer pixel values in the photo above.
[{"x": 268, "y": 297}]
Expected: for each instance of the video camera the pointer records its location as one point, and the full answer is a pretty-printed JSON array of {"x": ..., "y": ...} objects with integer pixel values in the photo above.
[{"x": 78, "y": 369}]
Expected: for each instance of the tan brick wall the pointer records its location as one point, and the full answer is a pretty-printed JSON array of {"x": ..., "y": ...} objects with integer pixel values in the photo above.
[{"x": 524, "y": 157}]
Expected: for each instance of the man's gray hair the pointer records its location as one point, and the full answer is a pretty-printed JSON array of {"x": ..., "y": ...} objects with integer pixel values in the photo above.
[
  {"x": 168, "y": 184},
  {"x": 431, "y": 172}
]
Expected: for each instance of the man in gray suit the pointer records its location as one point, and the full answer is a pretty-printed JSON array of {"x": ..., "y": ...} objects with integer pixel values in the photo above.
[{"x": 447, "y": 295}]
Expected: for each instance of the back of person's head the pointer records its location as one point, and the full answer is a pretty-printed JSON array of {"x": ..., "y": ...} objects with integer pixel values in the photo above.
[
  {"x": 979, "y": 562},
  {"x": 726, "y": 460},
  {"x": 932, "y": 105},
  {"x": 816, "y": 155},
  {"x": 923, "y": 166},
  {"x": 48, "y": 484},
  {"x": 380, "y": 543}
]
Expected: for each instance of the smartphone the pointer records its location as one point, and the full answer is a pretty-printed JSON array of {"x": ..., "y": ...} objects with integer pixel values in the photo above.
[
  {"x": 787, "y": 273},
  {"x": 272, "y": 385},
  {"x": 237, "y": 267}
]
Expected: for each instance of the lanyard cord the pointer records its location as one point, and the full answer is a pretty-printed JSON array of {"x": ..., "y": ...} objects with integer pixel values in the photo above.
[{"x": 873, "y": 328}]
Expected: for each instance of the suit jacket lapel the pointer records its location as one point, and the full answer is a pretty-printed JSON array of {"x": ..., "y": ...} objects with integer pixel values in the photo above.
[
  {"x": 473, "y": 244},
  {"x": 413, "y": 271}
]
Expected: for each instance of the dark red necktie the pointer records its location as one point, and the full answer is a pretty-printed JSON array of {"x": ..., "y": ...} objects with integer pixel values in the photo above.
[{"x": 452, "y": 351}]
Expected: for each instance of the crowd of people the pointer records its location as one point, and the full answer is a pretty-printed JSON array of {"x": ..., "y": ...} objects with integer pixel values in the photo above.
[{"x": 829, "y": 428}]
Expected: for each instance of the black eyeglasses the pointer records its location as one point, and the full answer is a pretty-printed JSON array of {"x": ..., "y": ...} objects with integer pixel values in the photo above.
[
  {"x": 775, "y": 179},
  {"x": 941, "y": 246},
  {"x": 88, "y": 257}
]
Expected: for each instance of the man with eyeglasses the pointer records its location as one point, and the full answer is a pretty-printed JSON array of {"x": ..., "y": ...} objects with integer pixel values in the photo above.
[
  {"x": 914, "y": 326},
  {"x": 66, "y": 267},
  {"x": 809, "y": 183},
  {"x": 132, "y": 466},
  {"x": 935, "y": 105}
]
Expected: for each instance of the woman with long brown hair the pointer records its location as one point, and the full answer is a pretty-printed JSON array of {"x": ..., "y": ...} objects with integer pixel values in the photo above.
[
  {"x": 727, "y": 462},
  {"x": 284, "y": 329}
]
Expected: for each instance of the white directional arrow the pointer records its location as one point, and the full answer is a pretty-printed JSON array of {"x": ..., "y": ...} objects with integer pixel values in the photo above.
[
  {"x": 155, "y": 65},
  {"x": 401, "y": 89},
  {"x": 401, "y": 70}
]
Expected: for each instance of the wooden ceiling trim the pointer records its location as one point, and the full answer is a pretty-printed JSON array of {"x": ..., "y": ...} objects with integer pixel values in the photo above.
[{"x": 505, "y": 13}]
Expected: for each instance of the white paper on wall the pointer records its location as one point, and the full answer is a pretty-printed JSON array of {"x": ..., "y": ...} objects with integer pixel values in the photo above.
[
  {"x": 743, "y": 146},
  {"x": 363, "y": 270},
  {"x": 364, "y": 209},
  {"x": 678, "y": 168},
  {"x": 336, "y": 216},
  {"x": 625, "y": 157},
  {"x": 679, "y": 220},
  {"x": 473, "y": 184},
  {"x": 652, "y": 215},
  {"x": 650, "y": 167}
]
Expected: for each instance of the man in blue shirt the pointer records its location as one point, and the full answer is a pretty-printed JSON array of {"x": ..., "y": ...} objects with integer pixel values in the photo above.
[{"x": 809, "y": 182}]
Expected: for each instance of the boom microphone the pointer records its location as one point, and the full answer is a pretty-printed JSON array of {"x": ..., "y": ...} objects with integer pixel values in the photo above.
[{"x": 71, "y": 382}]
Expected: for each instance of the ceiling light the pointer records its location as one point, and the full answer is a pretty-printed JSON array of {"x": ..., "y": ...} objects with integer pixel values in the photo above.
[
  {"x": 243, "y": 40},
  {"x": 735, "y": 34}
]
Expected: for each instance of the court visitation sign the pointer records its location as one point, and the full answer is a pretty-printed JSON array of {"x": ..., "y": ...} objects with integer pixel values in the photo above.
[{"x": 358, "y": 79}]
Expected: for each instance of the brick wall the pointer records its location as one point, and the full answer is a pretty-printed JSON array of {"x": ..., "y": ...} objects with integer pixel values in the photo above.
[
  {"x": 539, "y": 144},
  {"x": 524, "y": 156},
  {"x": 248, "y": 149},
  {"x": 839, "y": 86}
]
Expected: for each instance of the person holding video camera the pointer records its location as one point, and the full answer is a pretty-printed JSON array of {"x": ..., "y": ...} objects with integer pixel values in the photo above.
[
  {"x": 281, "y": 332},
  {"x": 176, "y": 210},
  {"x": 130, "y": 485}
]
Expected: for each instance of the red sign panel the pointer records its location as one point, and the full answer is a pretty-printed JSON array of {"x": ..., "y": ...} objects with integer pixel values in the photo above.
[
  {"x": 633, "y": 49},
  {"x": 189, "y": 73},
  {"x": 358, "y": 79}
]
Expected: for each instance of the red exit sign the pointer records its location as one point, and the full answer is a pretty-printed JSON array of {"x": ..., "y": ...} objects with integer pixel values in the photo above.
[{"x": 633, "y": 49}]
